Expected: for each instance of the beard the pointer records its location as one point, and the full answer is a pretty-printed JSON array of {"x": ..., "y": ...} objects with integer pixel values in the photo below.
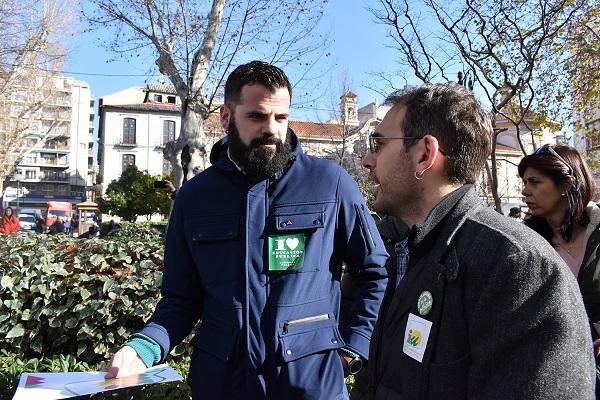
[{"x": 256, "y": 161}]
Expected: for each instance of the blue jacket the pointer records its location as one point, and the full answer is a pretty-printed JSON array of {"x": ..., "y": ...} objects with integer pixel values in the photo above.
[{"x": 269, "y": 311}]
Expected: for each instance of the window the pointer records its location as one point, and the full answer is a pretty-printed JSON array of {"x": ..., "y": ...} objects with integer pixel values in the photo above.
[
  {"x": 158, "y": 98},
  {"x": 171, "y": 99},
  {"x": 47, "y": 190},
  {"x": 129, "y": 131},
  {"x": 168, "y": 131},
  {"x": 128, "y": 159},
  {"x": 30, "y": 174}
]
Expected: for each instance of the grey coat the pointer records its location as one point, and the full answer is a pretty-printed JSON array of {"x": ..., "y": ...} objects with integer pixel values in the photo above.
[{"x": 507, "y": 318}]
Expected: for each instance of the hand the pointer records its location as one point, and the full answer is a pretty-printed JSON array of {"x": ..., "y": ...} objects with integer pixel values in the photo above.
[
  {"x": 124, "y": 362},
  {"x": 346, "y": 364},
  {"x": 169, "y": 187}
]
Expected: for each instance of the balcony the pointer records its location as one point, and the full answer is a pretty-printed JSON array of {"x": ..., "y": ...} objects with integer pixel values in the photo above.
[
  {"x": 51, "y": 178},
  {"x": 126, "y": 143},
  {"x": 53, "y": 162}
]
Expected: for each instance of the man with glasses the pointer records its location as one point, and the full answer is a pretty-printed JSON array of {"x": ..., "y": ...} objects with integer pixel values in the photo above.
[{"x": 479, "y": 307}]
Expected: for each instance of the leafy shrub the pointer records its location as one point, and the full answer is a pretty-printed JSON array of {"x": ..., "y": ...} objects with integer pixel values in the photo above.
[{"x": 83, "y": 297}]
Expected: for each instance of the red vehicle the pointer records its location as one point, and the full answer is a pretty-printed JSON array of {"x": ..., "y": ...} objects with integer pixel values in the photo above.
[{"x": 58, "y": 209}]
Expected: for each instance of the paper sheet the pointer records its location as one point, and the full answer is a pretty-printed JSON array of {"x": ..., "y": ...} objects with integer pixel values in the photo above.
[{"x": 62, "y": 385}]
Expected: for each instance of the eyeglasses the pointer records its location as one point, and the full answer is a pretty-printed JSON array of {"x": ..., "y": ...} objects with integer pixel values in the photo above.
[
  {"x": 375, "y": 141},
  {"x": 549, "y": 149}
]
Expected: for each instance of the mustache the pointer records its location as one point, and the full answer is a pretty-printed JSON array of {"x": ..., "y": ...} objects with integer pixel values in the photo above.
[{"x": 265, "y": 140}]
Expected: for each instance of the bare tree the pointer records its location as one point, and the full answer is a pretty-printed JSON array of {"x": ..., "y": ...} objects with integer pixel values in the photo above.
[
  {"x": 31, "y": 54},
  {"x": 196, "y": 44},
  {"x": 508, "y": 47}
]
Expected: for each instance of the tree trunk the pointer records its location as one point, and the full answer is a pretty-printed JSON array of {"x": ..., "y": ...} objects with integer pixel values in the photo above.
[
  {"x": 497, "y": 202},
  {"x": 188, "y": 154}
]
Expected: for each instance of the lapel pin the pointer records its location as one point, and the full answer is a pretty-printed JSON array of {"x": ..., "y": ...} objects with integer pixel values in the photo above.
[{"x": 425, "y": 302}]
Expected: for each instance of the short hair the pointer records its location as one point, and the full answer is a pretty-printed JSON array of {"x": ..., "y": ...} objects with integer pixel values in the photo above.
[
  {"x": 568, "y": 171},
  {"x": 254, "y": 72},
  {"x": 451, "y": 114},
  {"x": 514, "y": 212}
]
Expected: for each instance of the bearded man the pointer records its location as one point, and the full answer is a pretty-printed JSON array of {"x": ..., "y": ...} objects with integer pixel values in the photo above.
[{"x": 255, "y": 247}]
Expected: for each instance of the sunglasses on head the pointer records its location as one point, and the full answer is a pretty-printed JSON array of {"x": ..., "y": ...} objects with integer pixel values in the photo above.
[{"x": 548, "y": 149}]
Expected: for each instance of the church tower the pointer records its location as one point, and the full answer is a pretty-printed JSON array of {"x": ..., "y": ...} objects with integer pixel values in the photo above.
[{"x": 349, "y": 109}]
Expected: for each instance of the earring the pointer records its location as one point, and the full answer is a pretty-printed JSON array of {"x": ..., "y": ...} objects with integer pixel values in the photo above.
[
  {"x": 563, "y": 194},
  {"x": 419, "y": 177}
]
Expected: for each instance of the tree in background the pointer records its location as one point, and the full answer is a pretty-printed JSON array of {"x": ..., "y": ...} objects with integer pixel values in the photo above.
[
  {"x": 583, "y": 65},
  {"x": 133, "y": 195},
  {"x": 508, "y": 47},
  {"x": 32, "y": 52},
  {"x": 197, "y": 43}
]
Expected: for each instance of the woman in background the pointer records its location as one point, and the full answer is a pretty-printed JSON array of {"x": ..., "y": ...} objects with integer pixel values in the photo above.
[
  {"x": 9, "y": 222},
  {"x": 558, "y": 189}
]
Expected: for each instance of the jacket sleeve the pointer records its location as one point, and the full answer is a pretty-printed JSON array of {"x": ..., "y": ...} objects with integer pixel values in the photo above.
[
  {"x": 528, "y": 327},
  {"x": 182, "y": 292},
  {"x": 365, "y": 256}
]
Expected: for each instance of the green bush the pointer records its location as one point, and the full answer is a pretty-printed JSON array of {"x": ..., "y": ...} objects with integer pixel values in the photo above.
[{"x": 85, "y": 297}]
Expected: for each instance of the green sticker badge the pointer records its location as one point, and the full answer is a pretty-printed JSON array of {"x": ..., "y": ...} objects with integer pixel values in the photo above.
[{"x": 286, "y": 252}]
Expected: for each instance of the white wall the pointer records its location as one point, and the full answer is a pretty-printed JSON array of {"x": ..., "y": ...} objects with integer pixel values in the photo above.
[
  {"x": 148, "y": 150},
  {"x": 80, "y": 133}
]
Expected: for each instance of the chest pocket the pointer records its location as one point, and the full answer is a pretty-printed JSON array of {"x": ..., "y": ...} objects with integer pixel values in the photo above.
[
  {"x": 216, "y": 247},
  {"x": 296, "y": 242}
]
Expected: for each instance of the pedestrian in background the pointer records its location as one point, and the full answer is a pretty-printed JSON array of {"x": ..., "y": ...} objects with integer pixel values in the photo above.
[
  {"x": 558, "y": 189},
  {"x": 40, "y": 222},
  {"x": 515, "y": 212},
  {"x": 9, "y": 222}
]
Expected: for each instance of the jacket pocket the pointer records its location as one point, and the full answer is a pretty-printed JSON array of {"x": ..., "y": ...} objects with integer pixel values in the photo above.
[
  {"x": 449, "y": 380},
  {"x": 364, "y": 226},
  {"x": 216, "y": 338},
  {"x": 216, "y": 248},
  {"x": 306, "y": 224},
  {"x": 301, "y": 337}
]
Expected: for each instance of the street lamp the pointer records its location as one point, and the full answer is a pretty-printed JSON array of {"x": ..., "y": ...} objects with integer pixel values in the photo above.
[{"x": 18, "y": 178}]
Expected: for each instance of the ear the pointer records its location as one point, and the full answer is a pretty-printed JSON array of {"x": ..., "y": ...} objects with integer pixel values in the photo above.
[
  {"x": 224, "y": 115},
  {"x": 428, "y": 156}
]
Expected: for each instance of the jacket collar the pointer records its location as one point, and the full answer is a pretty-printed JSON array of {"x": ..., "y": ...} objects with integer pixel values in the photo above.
[
  {"x": 448, "y": 215},
  {"x": 391, "y": 228}
]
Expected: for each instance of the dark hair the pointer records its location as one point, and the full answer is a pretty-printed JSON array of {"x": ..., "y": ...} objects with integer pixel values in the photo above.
[
  {"x": 451, "y": 114},
  {"x": 254, "y": 72},
  {"x": 568, "y": 171},
  {"x": 11, "y": 209},
  {"x": 514, "y": 212}
]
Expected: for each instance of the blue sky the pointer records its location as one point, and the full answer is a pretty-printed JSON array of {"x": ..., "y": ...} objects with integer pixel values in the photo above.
[{"x": 358, "y": 48}]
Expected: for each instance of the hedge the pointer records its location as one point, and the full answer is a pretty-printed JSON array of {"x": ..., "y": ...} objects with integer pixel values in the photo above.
[{"x": 77, "y": 296}]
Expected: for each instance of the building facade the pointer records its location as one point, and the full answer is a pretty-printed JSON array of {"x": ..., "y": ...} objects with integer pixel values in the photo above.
[
  {"x": 61, "y": 167},
  {"x": 135, "y": 124}
]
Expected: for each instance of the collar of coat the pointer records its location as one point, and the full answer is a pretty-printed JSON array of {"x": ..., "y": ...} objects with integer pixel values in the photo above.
[{"x": 445, "y": 219}]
